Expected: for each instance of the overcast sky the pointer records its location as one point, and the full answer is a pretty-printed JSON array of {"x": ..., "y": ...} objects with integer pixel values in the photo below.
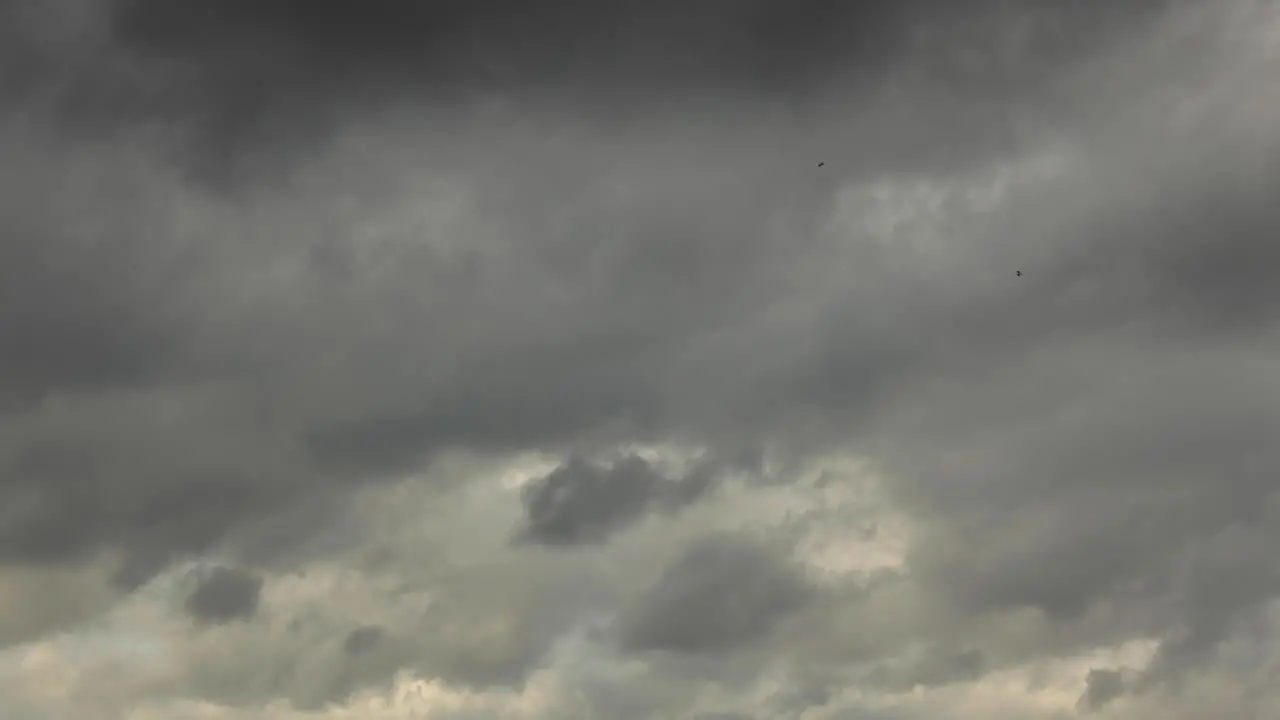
[{"x": 716, "y": 360}]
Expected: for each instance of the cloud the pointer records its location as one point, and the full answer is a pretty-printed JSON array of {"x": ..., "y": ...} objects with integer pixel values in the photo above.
[
  {"x": 1101, "y": 687},
  {"x": 280, "y": 332},
  {"x": 722, "y": 592},
  {"x": 37, "y": 601},
  {"x": 362, "y": 639},
  {"x": 585, "y": 502},
  {"x": 313, "y": 288},
  {"x": 225, "y": 594}
]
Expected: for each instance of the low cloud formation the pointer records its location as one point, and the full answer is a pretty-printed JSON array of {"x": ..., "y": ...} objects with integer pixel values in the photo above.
[
  {"x": 362, "y": 639},
  {"x": 584, "y": 502},
  {"x": 722, "y": 592},
  {"x": 225, "y": 594},
  {"x": 1101, "y": 687}
]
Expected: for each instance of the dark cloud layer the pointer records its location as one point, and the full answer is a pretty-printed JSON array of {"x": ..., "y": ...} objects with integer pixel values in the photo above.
[
  {"x": 225, "y": 594},
  {"x": 752, "y": 47},
  {"x": 723, "y": 592},
  {"x": 1101, "y": 687},
  {"x": 362, "y": 639},
  {"x": 257, "y": 258},
  {"x": 586, "y": 502},
  {"x": 240, "y": 77}
]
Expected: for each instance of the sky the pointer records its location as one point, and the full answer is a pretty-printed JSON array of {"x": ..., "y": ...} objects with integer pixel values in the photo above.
[{"x": 749, "y": 360}]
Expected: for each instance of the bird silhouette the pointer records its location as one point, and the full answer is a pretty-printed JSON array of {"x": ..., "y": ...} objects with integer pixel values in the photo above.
[
  {"x": 821, "y": 164},
  {"x": 1019, "y": 273}
]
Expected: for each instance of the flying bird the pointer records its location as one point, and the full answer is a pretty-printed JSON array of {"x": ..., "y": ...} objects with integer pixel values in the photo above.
[
  {"x": 821, "y": 164},
  {"x": 1019, "y": 273}
]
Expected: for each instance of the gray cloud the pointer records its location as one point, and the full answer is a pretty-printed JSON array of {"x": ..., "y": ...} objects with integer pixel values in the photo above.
[
  {"x": 362, "y": 639},
  {"x": 724, "y": 591},
  {"x": 258, "y": 258},
  {"x": 225, "y": 594},
  {"x": 244, "y": 84},
  {"x": 1101, "y": 687},
  {"x": 586, "y": 502},
  {"x": 1223, "y": 585},
  {"x": 938, "y": 666}
]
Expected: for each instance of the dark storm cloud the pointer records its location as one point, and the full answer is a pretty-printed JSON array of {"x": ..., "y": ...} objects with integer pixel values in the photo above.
[
  {"x": 445, "y": 46},
  {"x": 592, "y": 258},
  {"x": 725, "y": 591},
  {"x": 1101, "y": 687},
  {"x": 240, "y": 77},
  {"x": 225, "y": 594},
  {"x": 159, "y": 473},
  {"x": 1142, "y": 458},
  {"x": 1223, "y": 584},
  {"x": 81, "y": 310},
  {"x": 755, "y": 46},
  {"x": 246, "y": 82},
  {"x": 362, "y": 639},
  {"x": 586, "y": 502}
]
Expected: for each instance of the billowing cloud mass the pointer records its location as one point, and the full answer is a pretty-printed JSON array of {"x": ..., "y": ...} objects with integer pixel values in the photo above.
[
  {"x": 639, "y": 360},
  {"x": 585, "y": 502}
]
